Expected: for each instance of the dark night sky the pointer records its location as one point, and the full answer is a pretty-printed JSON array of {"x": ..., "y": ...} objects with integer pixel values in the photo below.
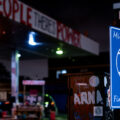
[{"x": 92, "y": 16}]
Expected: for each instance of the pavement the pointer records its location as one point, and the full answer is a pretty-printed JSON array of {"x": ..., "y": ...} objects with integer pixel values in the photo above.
[{"x": 59, "y": 117}]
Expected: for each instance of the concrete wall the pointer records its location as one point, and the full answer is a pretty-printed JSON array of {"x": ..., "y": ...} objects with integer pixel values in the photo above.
[{"x": 35, "y": 69}]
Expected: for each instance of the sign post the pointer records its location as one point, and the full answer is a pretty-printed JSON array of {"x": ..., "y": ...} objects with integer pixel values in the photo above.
[{"x": 115, "y": 67}]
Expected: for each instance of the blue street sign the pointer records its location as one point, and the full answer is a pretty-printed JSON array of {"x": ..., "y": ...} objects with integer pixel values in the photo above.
[{"x": 115, "y": 67}]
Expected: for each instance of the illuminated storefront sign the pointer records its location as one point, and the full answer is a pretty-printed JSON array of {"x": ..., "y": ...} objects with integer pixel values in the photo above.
[
  {"x": 19, "y": 12},
  {"x": 68, "y": 35},
  {"x": 22, "y": 13},
  {"x": 33, "y": 82}
]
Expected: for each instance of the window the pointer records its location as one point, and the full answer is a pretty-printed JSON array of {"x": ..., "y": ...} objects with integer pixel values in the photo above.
[{"x": 58, "y": 72}]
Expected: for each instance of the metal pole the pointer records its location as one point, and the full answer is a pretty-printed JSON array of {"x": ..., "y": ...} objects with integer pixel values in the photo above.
[
  {"x": 43, "y": 93},
  {"x": 15, "y": 75},
  {"x": 24, "y": 93}
]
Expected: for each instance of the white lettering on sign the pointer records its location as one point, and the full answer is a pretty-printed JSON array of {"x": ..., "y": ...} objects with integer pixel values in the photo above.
[
  {"x": 87, "y": 98},
  {"x": 99, "y": 97},
  {"x": 68, "y": 35},
  {"x": 91, "y": 97},
  {"x": 116, "y": 98},
  {"x": 76, "y": 99},
  {"x": 116, "y": 35},
  {"x": 84, "y": 98}
]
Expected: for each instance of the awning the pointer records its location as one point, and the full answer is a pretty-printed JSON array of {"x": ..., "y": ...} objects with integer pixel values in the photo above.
[{"x": 17, "y": 20}]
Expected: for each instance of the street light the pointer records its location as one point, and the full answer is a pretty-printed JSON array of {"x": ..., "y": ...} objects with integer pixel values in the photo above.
[
  {"x": 18, "y": 55},
  {"x": 59, "y": 51},
  {"x": 31, "y": 39}
]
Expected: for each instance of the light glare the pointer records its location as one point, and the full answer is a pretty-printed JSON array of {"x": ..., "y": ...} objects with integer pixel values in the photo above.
[
  {"x": 18, "y": 55},
  {"x": 59, "y": 52},
  {"x": 32, "y": 39}
]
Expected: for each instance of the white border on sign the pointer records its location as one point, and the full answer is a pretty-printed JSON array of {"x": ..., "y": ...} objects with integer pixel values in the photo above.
[{"x": 113, "y": 107}]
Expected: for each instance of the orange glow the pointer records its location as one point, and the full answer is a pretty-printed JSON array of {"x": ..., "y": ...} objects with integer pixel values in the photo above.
[
  {"x": 3, "y": 32},
  {"x": 52, "y": 103},
  {"x": 7, "y": 102}
]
